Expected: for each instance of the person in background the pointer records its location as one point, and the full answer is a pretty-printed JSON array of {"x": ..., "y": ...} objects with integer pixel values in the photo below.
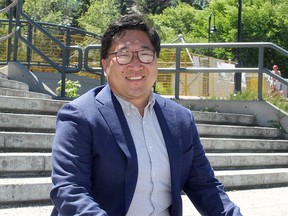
[
  {"x": 121, "y": 149},
  {"x": 275, "y": 85}
]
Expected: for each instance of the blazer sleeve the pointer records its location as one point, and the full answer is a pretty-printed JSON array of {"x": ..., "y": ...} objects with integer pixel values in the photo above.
[
  {"x": 71, "y": 165},
  {"x": 202, "y": 187}
]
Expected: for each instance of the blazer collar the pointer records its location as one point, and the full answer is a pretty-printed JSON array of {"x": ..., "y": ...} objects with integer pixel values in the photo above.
[
  {"x": 115, "y": 118},
  {"x": 111, "y": 111},
  {"x": 171, "y": 132}
]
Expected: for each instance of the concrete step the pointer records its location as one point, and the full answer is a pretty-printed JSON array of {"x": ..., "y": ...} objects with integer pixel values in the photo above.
[
  {"x": 20, "y": 93},
  {"x": 244, "y": 145},
  {"x": 24, "y": 190},
  {"x": 256, "y": 178},
  {"x": 206, "y": 130},
  {"x": 37, "y": 189},
  {"x": 23, "y": 141},
  {"x": 223, "y": 118},
  {"x": 18, "y": 164},
  {"x": 24, "y": 162},
  {"x": 30, "y": 105},
  {"x": 221, "y": 161},
  {"x": 3, "y": 76},
  {"x": 28, "y": 141},
  {"x": 26, "y": 122},
  {"x": 12, "y": 84}
]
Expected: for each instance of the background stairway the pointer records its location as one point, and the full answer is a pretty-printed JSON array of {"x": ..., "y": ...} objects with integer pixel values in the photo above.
[{"x": 243, "y": 155}]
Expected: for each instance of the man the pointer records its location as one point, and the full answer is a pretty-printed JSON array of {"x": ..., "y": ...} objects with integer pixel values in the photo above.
[{"x": 119, "y": 149}]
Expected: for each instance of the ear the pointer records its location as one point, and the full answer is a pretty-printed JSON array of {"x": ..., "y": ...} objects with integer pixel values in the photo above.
[{"x": 104, "y": 65}]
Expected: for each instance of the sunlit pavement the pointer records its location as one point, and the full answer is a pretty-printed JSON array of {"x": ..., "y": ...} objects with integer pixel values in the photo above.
[{"x": 257, "y": 202}]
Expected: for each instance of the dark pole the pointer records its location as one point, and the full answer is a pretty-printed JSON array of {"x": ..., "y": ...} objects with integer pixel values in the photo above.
[
  {"x": 237, "y": 76},
  {"x": 209, "y": 28},
  {"x": 205, "y": 78}
]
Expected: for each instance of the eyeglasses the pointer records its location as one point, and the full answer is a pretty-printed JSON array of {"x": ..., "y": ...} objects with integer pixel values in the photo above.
[{"x": 124, "y": 57}]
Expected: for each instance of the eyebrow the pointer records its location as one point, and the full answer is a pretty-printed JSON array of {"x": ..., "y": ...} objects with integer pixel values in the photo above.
[{"x": 127, "y": 48}]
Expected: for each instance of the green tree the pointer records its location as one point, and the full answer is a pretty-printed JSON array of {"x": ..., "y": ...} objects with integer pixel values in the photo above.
[
  {"x": 145, "y": 6},
  {"x": 54, "y": 11},
  {"x": 174, "y": 21},
  {"x": 262, "y": 21},
  {"x": 99, "y": 15},
  {"x": 155, "y": 7}
]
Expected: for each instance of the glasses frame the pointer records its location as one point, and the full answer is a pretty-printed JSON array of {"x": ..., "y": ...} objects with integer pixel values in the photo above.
[{"x": 115, "y": 53}]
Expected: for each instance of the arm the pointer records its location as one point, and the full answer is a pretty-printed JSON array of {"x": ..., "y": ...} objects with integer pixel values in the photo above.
[
  {"x": 71, "y": 165},
  {"x": 201, "y": 186}
]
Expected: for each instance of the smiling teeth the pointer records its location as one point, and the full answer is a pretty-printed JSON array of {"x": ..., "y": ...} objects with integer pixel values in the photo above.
[{"x": 135, "y": 78}]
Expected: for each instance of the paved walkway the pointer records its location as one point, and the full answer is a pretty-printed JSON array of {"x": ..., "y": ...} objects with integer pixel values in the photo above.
[{"x": 258, "y": 202}]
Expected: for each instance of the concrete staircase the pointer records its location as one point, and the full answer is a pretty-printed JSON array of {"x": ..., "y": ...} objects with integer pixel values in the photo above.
[{"x": 243, "y": 155}]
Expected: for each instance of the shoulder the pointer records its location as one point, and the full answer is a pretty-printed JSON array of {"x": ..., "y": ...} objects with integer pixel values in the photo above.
[
  {"x": 85, "y": 103},
  {"x": 167, "y": 102},
  {"x": 179, "y": 109}
]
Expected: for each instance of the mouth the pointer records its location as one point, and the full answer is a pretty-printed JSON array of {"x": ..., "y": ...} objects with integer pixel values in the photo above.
[{"x": 135, "y": 78}]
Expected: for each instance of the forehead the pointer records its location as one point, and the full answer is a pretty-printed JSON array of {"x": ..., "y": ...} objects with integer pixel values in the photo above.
[{"x": 132, "y": 39}]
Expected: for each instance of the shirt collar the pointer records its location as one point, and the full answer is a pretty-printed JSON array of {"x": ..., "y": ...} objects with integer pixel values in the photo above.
[{"x": 128, "y": 107}]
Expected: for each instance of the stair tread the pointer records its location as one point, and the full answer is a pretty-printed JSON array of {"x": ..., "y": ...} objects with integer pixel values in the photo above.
[
  {"x": 24, "y": 180},
  {"x": 8, "y": 92},
  {"x": 250, "y": 171}
]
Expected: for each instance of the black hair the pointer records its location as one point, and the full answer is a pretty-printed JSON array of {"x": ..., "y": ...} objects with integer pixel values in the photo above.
[{"x": 128, "y": 22}]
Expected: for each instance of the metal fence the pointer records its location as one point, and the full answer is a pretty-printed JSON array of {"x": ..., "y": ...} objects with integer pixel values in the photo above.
[
  {"x": 201, "y": 76},
  {"x": 182, "y": 71}
]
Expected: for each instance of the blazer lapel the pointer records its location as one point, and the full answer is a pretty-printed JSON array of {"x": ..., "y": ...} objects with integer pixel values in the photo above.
[
  {"x": 167, "y": 118},
  {"x": 115, "y": 118}
]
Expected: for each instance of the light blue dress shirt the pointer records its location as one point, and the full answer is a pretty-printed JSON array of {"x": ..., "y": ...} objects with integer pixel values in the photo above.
[{"x": 153, "y": 189}]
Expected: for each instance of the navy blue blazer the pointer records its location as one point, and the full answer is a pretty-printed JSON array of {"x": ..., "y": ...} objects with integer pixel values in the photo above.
[{"x": 94, "y": 161}]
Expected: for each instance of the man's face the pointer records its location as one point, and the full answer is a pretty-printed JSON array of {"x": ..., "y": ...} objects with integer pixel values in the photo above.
[{"x": 133, "y": 81}]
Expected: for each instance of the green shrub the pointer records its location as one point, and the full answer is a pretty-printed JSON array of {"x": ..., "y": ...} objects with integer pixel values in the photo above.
[{"x": 71, "y": 88}]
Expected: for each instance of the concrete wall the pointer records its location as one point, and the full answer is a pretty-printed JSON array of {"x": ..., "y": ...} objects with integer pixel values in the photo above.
[{"x": 52, "y": 79}]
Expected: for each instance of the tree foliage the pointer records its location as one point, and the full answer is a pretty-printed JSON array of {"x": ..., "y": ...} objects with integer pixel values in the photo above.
[
  {"x": 262, "y": 21},
  {"x": 99, "y": 15},
  {"x": 53, "y": 11}
]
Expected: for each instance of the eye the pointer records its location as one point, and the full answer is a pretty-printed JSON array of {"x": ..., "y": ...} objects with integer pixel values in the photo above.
[
  {"x": 123, "y": 53},
  {"x": 146, "y": 52}
]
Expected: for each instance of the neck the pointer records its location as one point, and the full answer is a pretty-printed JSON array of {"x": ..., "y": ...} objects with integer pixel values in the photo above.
[{"x": 140, "y": 105}]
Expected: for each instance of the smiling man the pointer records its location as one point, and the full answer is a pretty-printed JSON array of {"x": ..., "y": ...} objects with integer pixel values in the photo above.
[{"x": 120, "y": 149}]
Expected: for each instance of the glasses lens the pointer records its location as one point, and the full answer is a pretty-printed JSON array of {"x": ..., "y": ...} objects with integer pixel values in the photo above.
[
  {"x": 146, "y": 56},
  {"x": 124, "y": 57}
]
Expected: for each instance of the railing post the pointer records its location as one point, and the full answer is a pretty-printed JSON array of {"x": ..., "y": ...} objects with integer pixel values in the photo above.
[
  {"x": 260, "y": 73},
  {"x": 63, "y": 72},
  {"x": 238, "y": 76},
  {"x": 10, "y": 26},
  {"x": 29, "y": 53},
  {"x": 18, "y": 23},
  {"x": 68, "y": 43},
  {"x": 177, "y": 72}
]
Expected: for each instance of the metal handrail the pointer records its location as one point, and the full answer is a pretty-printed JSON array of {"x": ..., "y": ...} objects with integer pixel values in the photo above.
[
  {"x": 64, "y": 68},
  {"x": 83, "y": 61},
  {"x": 6, "y": 9},
  {"x": 6, "y": 37},
  {"x": 53, "y": 25},
  {"x": 178, "y": 69},
  {"x": 51, "y": 62}
]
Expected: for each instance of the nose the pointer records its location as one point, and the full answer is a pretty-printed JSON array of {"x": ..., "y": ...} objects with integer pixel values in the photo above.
[{"x": 136, "y": 64}]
